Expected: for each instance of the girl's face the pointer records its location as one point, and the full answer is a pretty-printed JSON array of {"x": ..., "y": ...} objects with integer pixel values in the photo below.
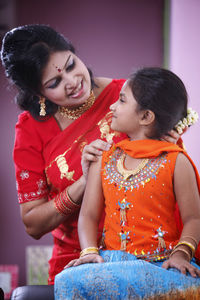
[
  {"x": 125, "y": 117},
  {"x": 66, "y": 80}
]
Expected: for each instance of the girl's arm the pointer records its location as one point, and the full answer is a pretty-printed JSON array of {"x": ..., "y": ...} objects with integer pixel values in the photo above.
[
  {"x": 90, "y": 215},
  {"x": 187, "y": 196}
]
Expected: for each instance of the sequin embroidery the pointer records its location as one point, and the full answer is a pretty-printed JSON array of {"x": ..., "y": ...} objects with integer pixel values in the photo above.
[
  {"x": 41, "y": 191},
  {"x": 149, "y": 172},
  {"x": 24, "y": 174}
]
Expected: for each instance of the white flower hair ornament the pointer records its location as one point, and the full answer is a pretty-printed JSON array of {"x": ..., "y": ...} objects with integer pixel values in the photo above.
[{"x": 191, "y": 118}]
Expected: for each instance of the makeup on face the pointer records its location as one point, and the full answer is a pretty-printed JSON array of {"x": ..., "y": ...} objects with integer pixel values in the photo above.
[{"x": 60, "y": 70}]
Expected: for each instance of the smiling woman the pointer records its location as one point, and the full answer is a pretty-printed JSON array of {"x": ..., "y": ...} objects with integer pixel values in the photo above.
[{"x": 66, "y": 80}]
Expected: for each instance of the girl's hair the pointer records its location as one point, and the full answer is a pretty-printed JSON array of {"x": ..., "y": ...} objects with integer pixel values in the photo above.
[
  {"x": 25, "y": 53},
  {"x": 162, "y": 92}
]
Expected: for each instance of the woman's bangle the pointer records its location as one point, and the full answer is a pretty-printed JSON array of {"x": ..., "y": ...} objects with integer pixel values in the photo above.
[
  {"x": 70, "y": 199},
  {"x": 89, "y": 250},
  {"x": 64, "y": 204}
]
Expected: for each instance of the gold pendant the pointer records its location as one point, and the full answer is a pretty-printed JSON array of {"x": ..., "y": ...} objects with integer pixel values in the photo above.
[{"x": 127, "y": 173}]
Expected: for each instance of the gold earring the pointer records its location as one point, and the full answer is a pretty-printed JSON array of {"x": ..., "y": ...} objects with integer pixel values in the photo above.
[{"x": 42, "y": 107}]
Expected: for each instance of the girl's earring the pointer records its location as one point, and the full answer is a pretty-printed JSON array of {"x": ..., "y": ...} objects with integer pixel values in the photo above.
[{"x": 42, "y": 107}]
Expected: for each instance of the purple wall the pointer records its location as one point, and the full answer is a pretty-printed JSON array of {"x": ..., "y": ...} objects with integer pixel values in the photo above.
[
  {"x": 184, "y": 60},
  {"x": 112, "y": 37}
]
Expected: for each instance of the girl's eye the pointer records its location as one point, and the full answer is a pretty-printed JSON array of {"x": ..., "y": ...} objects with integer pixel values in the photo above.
[
  {"x": 70, "y": 66},
  {"x": 54, "y": 84},
  {"x": 121, "y": 100}
]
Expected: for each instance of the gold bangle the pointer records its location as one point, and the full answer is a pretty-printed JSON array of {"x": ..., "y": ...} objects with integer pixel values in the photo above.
[
  {"x": 187, "y": 244},
  {"x": 193, "y": 239},
  {"x": 89, "y": 250},
  {"x": 183, "y": 250}
]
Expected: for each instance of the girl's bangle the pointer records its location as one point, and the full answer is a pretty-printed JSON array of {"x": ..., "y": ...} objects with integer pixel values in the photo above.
[
  {"x": 192, "y": 238},
  {"x": 189, "y": 245},
  {"x": 183, "y": 250},
  {"x": 89, "y": 250}
]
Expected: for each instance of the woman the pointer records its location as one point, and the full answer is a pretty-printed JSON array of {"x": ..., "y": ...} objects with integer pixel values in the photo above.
[
  {"x": 140, "y": 180},
  {"x": 65, "y": 109}
]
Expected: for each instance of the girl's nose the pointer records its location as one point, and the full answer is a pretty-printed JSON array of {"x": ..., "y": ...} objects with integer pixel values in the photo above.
[{"x": 113, "y": 106}]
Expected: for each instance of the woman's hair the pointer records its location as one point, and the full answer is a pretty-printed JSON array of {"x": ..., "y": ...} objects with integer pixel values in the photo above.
[
  {"x": 162, "y": 92},
  {"x": 25, "y": 53}
]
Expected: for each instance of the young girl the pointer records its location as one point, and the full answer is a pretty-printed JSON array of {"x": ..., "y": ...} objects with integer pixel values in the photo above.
[{"x": 140, "y": 180}]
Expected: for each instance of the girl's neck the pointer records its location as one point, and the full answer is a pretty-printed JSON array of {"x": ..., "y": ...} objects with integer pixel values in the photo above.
[{"x": 138, "y": 136}]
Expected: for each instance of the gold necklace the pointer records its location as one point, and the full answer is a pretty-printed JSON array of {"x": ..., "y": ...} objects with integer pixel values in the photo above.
[
  {"x": 127, "y": 173},
  {"x": 75, "y": 113}
]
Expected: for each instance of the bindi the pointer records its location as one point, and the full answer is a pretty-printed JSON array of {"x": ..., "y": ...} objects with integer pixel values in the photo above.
[
  {"x": 61, "y": 69},
  {"x": 58, "y": 68}
]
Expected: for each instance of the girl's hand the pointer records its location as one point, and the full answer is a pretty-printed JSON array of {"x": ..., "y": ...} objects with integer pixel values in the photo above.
[
  {"x": 91, "y": 153},
  {"x": 172, "y": 137},
  {"x": 179, "y": 260},
  {"x": 89, "y": 258}
]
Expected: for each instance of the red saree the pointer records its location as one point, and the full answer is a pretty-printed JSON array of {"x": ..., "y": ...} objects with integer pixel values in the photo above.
[{"x": 41, "y": 147}]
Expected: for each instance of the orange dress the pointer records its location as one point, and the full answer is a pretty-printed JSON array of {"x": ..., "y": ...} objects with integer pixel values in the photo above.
[{"x": 140, "y": 209}]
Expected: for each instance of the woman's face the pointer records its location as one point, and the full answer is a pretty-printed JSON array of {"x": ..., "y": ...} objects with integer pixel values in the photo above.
[{"x": 66, "y": 80}]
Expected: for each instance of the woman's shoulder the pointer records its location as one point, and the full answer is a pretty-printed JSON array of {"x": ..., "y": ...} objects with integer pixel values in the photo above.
[
  {"x": 27, "y": 126},
  {"x": 104, "y": 82},
  {"x": 25, "y": 118}
]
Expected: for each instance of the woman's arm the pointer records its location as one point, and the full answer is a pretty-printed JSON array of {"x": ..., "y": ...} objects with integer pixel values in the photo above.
[
  {"x": 187, "y": 196},
  {"x": 41, "y": 216}
]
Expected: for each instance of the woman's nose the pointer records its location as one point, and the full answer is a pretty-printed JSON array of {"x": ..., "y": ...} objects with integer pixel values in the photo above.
[{"x": 70, "y": 82}]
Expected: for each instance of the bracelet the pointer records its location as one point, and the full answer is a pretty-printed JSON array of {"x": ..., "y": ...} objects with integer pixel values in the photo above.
[
  {"x": 64, "y": 204},
  {"x": 192, "y": 238},
  {"x": 192, "y": 248},
  {"x": 70, "y": 199},
  {"x": 183, "y": 250},
  {"x": 89, "y": 250}
]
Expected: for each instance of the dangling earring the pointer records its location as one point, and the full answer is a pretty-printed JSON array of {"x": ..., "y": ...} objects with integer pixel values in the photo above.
[{"x": 42, "y": 107}]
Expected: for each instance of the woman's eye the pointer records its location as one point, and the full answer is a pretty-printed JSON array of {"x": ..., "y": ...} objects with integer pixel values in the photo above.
[
  {"x": 54, "y": 84},
  {"x": 70, "y": 66},
  {"x": 121, "y": 100}
]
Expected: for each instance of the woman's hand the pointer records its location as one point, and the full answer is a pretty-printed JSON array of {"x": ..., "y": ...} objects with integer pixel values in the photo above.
[
  {"x": 89, "y": 258},
  {"x": 91, "y": 153},
  {"x": 179, "y": 260},
  {"x": 171, "y": 137}
]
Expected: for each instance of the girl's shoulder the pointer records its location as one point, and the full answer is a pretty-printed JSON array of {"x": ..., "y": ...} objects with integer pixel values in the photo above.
[{"x": 184, "y": 163}]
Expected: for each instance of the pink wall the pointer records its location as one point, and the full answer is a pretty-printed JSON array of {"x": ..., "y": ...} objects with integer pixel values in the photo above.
[
  {"x": 112, "y": 37},
  {"x": 185, "y": 61}
]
